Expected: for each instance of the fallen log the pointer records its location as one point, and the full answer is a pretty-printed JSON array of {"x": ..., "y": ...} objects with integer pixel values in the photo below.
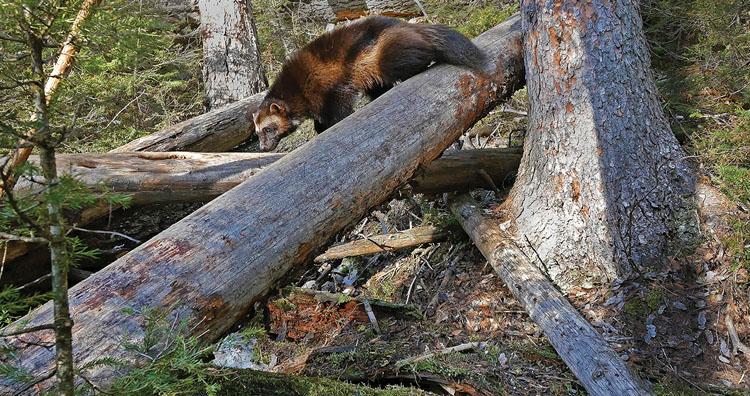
[
  {"x": 156, "y": 177},
  {"x": 159, "y": 177},
  {"x": 587, "y": 355},
  {"x": 218, "y": 130},
  {"x": 209, "y": 268},
  {"x": 384, "y": 243}
]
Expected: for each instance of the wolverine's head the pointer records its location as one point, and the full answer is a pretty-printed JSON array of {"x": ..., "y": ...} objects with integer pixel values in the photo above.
[{"x": 273, "y": 121}]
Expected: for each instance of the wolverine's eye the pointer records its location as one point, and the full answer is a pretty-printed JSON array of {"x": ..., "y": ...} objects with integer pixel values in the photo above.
[{"x": 267, "y": 130}]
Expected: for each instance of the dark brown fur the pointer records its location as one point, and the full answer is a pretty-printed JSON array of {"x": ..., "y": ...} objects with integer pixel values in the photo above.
[{"x": 322, "y": 80}]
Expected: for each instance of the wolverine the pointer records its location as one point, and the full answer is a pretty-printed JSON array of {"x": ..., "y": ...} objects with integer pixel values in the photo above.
[{"x": 322, "y": 80}]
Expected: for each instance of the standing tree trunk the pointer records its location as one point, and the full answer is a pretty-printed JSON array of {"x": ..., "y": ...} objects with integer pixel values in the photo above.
[
  {"x": 232, "y": 68},
  {"x": 603, "y": 186}
]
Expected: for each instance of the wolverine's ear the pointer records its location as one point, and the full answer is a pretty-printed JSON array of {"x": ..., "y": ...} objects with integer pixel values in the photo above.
[{"x": 276, "y": 108}]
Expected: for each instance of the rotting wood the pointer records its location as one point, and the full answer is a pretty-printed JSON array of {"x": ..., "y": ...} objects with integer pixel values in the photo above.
[
  {"x": 217, "y": 130},
  {"x": 384, "y": 243},
  {"x": 316, "y": 315},
  {"x": 594, "y": 363},
  {"x": 160, "y": 177},
  {"x": 209, "y": 268},
  {"x": 260, "y": 383}
]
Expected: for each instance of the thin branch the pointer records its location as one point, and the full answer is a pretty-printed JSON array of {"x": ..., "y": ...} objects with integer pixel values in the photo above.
[
  {"x": 121, "y": 235},
  {"x": 458, "y": 348},
  {"x": 4, "y": 236}
]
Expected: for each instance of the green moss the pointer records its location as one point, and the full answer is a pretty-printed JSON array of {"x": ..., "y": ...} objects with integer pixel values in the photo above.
[
  {"x": 654, "y": 299},
  {"x": 252, "y": 383},
  {"x": 635, "y": 308}
]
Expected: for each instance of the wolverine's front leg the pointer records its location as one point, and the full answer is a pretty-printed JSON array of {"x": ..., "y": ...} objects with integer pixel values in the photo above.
[{"x": 336, "y": 107}]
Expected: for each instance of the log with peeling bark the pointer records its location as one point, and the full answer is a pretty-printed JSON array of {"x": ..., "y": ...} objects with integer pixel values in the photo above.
[
  {"x": 209, "y": 268},
  {"x": 220, "y": 129},
  {"x": 594, "y": 363},
  {"x": 160, "y": 177},
  {"x": 384, "y": 243}
]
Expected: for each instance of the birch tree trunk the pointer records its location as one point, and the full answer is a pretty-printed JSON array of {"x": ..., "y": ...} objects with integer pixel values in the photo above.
[
  {"x": 603, "y": 186},
  {"x": 232, "y": 68}
]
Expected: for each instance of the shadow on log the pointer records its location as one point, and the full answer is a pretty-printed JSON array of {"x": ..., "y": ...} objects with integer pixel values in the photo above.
[{"x": 209, "y": 268}]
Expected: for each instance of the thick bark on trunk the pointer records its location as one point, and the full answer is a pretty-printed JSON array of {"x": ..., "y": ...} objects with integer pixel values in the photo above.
[
  {"x": 217, "y": 130},
  {"x": 603, "y": 186},
  {"x": 232, "y": 68},
  {"x": 587, "y": 355},
  {"x": 340, "y": 10},
  {"x": 210, "y": 267}
]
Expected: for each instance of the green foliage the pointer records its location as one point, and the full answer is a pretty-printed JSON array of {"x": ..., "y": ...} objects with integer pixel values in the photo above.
[
  {"x": 129, "y": 79},
  {"x": 178, "y": 362},
  {"x": 701, "y": 52},
  {"x": 13, "y": 304},
  {"x": 468, "y": 18}
]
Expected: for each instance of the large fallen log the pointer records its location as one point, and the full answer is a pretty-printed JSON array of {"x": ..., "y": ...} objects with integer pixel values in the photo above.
[
  {"x": 156, "y": 177},
  {"x": 594, "y": 363},
  {"x": 160, "y": 177},
  {"x": 209, "y": 268},
  {"x": 218, "y": 130}
]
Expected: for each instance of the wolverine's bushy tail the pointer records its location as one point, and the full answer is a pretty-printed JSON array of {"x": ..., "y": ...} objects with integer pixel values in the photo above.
[{"x": 454, "y": 48}]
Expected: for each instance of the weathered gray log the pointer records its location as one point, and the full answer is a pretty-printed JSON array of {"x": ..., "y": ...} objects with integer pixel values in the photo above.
[
  {"x": 384, "y": 243},
  {"x": 217, "y": 130},
  {"x": 160, "y": 177},
  {"x": 604, "y": 185},
  {"x": 594, "y": 363},
  {"x": 232, "y": 68},
  {"x": 209, "y": 268},
  {"x": 157, "y": 177}
]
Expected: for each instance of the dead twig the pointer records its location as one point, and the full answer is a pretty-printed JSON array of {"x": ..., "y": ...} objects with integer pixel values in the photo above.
[
  {"x": 736, "y": 343},
  {"x": 458, "y": 348},
  {"x": 371, "y": 315},
  {"x": 121, "y": 235}
]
